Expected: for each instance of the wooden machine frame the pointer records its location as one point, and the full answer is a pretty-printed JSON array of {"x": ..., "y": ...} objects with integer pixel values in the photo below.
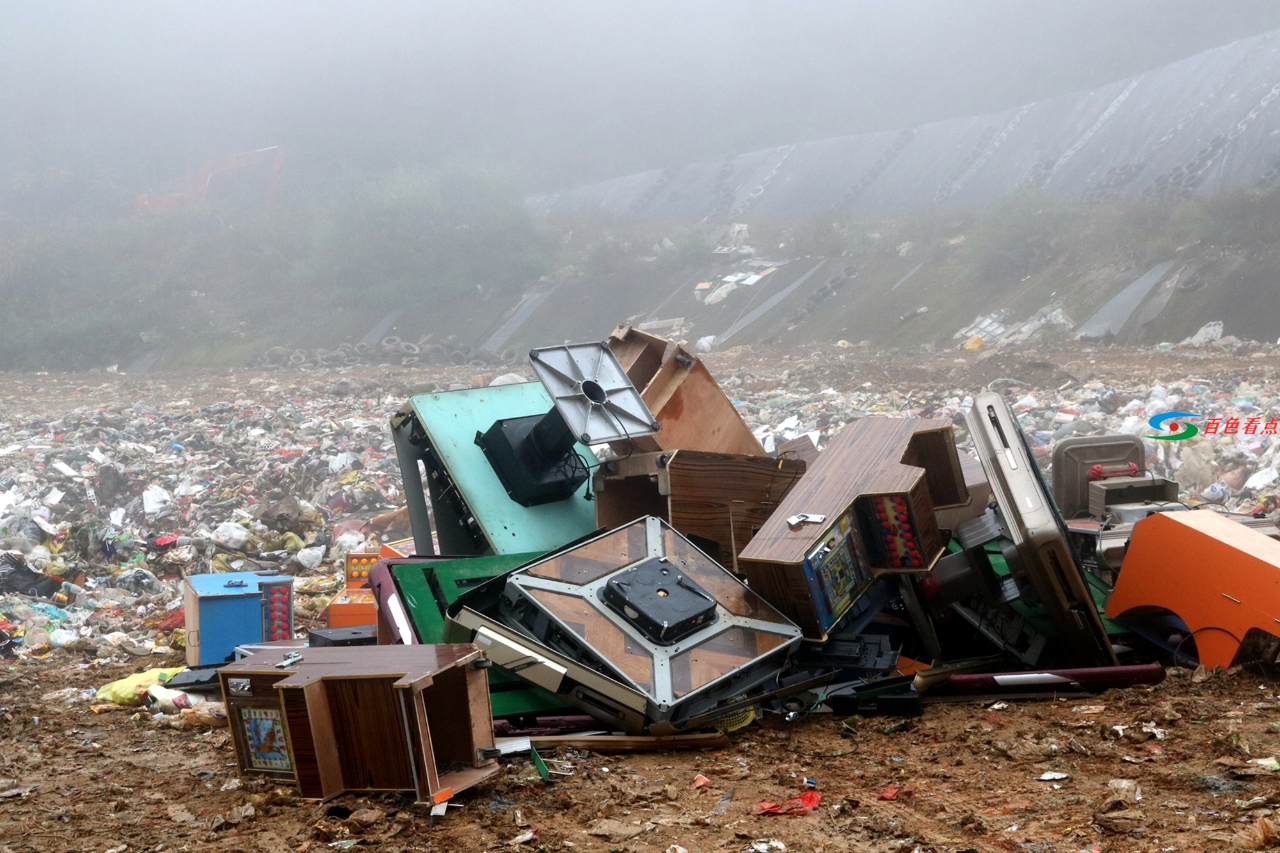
[{"x": 380, "y": 718}]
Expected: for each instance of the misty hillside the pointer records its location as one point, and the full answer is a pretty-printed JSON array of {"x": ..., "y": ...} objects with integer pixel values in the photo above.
[
  {"x": 232, "y": 183},
  {"x": 1199, "y": 126}
]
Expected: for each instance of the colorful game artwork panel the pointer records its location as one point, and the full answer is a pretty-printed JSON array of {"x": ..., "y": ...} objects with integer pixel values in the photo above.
[{"x": 264, "y": 734}]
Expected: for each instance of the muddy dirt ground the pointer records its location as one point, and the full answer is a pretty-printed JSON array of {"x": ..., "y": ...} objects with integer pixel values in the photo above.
[{"x": 966, "y": 774}]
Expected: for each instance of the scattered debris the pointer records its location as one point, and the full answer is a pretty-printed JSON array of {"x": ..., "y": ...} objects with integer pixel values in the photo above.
[{"x": 801, "y": 804}]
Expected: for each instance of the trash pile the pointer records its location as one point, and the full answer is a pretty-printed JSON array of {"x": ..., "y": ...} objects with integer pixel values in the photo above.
[
  {"x": 629, "y": 554},
  {"x": 1234, "y": 461},
  {"x": 104, "y": 510},
  {"x": 391, "y": 350}
]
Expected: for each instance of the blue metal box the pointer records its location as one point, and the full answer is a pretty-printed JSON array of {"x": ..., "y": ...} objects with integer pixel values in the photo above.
[{"x": 229, "y": 609}]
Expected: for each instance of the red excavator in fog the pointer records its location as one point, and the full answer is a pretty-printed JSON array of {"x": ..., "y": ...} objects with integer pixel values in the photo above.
[{"x": 169, "y": 202}]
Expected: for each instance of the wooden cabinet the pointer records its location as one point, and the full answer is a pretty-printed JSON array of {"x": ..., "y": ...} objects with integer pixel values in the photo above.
[
  {"x": 380, "y": 718},
  {"x": 877, "y": 487},
  {"x": 718, "y": 500}
]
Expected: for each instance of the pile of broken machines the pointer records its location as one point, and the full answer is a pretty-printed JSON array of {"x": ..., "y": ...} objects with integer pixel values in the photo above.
[{"x": 610, "y": 549}]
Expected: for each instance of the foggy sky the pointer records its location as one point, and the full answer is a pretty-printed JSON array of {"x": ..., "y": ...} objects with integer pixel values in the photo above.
[{"x": 565, "y": 92}]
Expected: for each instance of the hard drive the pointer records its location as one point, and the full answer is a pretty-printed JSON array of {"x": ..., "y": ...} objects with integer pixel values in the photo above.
[{"x": 1042, "y": 565}]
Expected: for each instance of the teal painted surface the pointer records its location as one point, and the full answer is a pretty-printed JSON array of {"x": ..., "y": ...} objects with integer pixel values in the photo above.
[{"x": 452, "y": 419}]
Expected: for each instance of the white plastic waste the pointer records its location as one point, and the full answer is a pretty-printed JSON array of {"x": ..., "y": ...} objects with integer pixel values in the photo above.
[
  {"x": 155, "y": 499},
  {"x": 230, "y": 536},
  {"x": 172, "y": 701},
  {"x": 310, "y": 558},
  {"x": 350, "y": 541}
]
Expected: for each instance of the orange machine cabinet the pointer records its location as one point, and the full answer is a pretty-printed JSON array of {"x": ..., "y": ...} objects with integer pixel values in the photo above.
[
  {"x": 355, "y": 604},
  {"x": 1220, "y": 577},
  {"x": 353, "y": 607}
]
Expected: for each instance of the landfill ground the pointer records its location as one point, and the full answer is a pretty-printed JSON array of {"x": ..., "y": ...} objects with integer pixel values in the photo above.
[{"x": 965, "y": 776}]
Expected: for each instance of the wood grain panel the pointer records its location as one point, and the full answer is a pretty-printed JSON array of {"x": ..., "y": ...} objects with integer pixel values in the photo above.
[
  {"x": 606, "y": 638},
  {"x": 597, "y": 558},
  {"x": 785, "y": 586},
  {"x": 718, "y": 657},
  {"x": 720, "y": 497},
  {"x": 449, "y": 712},
  {"x": 320, "y": 723},
  {"x": 728, "y": 592},
  {"x": 423, "y": 748},
  {"x": 935, "y": 452},
  {"x": 864, "y": 458},
  {"x": 346, "y": 722},
  {"x": 801, "y": 448},
  {"x": 682, "y": 395},
  {"x": 302, "y": 744},
  {"x": 623, "y": 499},
  {"x": 698, "y": 416},
  {"x": 481, "y": 712},
  {"x": 370, "y": 734}
]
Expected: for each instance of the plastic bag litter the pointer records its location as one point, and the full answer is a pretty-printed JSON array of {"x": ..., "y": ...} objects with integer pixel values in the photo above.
[
  {"x": 171, "y": 701},
  {"x": 60, "y": 637},
  {"x": 1261, "y": 833},
  {"x": 311, "y": 558},
  {"x": 155, "y": 499},
  {"x": 138, "y": 582},
  {"x": 350, "y": 541},
  {"x": 1206, "y": 334},
  {"x": 40, "y": 558},
  {"x": 35, "y": 638},
  {"x": 131, "y": 690},
  {"x": 20, "y": 524},
  {"x": 802, "y": 804},
  {"x": 205, "y": 714},
  {"x": 230, "y": 536},
  {"x": 1196, "y": 470},
  {"x": 16, "y": 575}
]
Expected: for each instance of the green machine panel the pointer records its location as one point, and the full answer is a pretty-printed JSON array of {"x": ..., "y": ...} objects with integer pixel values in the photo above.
[
  {"x": 428, "y": 586},
  {"x": 473, "y": 512}
]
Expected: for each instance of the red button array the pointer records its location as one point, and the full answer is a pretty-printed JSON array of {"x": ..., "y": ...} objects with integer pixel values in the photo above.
[
  {"x": 897, "y": 532},
  {"x": 279, "y": 613}
]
